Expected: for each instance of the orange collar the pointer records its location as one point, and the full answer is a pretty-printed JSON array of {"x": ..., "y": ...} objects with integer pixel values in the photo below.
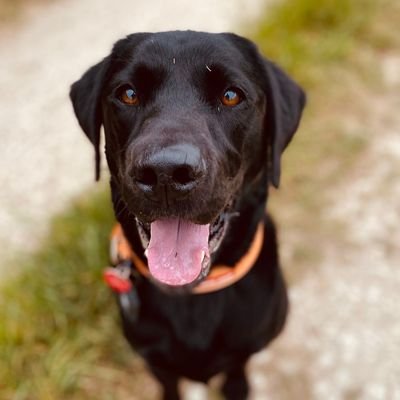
[{"x": 220, "y": 276}]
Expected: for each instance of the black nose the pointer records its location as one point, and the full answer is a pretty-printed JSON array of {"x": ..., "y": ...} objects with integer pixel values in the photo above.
[{"x": 169, "y": 173}]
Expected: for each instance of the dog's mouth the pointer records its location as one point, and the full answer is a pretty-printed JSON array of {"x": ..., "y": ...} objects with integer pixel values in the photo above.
[{"x": 179, "y": 251}]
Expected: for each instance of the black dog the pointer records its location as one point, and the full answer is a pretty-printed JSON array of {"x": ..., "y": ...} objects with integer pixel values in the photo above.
[{"x": 195, "y": 126}]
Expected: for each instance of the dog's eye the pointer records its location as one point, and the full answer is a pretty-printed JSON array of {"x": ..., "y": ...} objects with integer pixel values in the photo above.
[
  {"x": 128, "y": 96},
  {"x": 231, "y": 97}
]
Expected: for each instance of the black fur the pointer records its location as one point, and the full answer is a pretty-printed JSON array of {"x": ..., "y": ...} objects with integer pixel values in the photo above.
[{"x": 180, "y": 78}]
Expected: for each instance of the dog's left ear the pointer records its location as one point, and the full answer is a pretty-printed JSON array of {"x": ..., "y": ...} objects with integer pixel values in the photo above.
[
  {"x": 85, "y": 95},
  {"x": 285, "y": 103}
]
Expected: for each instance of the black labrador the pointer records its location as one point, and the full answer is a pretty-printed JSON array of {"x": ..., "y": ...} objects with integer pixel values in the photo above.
[{"x": 195, "y": 125}]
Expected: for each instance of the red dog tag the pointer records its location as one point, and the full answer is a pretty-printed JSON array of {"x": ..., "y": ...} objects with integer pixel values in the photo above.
[{"x": 117, "y": 280}]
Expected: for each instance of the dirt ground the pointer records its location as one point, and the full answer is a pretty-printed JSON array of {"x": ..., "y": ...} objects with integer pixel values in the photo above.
[{"x": 342, "y": 341}]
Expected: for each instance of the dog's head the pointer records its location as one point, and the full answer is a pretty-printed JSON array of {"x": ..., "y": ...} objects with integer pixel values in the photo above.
[{"x": 191, "y": 120}]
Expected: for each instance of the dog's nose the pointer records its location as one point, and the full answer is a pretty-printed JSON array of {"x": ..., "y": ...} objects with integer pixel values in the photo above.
[{"x": 169, "y": 173}]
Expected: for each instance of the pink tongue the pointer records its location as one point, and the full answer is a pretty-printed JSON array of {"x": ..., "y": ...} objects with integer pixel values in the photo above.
[{"x": 176, "y": 250}]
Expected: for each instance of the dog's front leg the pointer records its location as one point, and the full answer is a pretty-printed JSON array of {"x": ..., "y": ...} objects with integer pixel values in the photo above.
[
  {"x": 169, "y": 383},
  {"x": 236, "y": 386}
]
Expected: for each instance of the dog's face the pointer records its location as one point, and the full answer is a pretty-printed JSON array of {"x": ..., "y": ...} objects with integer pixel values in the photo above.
[{"x": 191, "y": 120}]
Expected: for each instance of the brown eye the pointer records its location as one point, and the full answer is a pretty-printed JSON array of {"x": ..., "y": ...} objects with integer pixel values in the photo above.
[
  {"x": 231, "y": 98},
  {"x": 128, "y": 96}
]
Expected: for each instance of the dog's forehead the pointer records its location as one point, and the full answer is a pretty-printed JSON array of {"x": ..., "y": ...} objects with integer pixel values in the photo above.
[
  {"x": 183, "y": 42},
  {"x": 183, "y": 47}
]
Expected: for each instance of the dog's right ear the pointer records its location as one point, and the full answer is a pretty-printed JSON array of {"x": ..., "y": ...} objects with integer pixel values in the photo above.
[{"x": 85, "y": 95}]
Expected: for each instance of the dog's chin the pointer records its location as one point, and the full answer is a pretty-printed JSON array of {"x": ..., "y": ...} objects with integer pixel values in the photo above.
[{"x": 216, "y": 233}]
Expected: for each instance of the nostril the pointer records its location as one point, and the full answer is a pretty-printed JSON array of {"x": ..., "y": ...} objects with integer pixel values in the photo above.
[
  {"x": 183, "y": 175},
  {"x": 170, "y": 171},
  {"x": 146, "y": 176}
]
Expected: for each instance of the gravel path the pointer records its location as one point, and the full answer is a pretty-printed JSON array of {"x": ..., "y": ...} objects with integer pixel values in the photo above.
[{"x": 342, "y": 341}]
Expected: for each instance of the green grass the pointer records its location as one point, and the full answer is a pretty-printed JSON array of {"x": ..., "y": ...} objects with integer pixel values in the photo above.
[
  {"x": 58, "y": 322},
  {"x": 330, "y": 48},
  {"x": 306, "y": 36},
  {"x": 318, "y": 42},
  {"x": 59, "y": 329}
]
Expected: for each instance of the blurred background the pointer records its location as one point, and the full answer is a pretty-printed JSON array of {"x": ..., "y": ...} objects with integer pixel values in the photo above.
[{"x": 337, "y": 209}]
